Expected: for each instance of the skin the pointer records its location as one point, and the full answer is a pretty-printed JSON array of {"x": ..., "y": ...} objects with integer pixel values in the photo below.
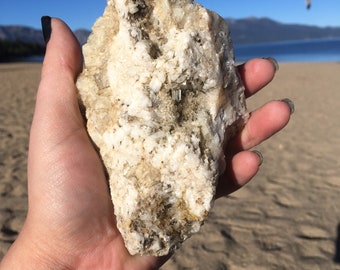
[{"x": 70, "y": 222}]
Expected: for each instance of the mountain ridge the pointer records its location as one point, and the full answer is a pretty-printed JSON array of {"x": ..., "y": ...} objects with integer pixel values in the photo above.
[
  {"x": 243, "y": 31},
  {"x": 261, "y": 30},
  {"x": 17, "y": 41},
  {"x": 29, "y": 34}
]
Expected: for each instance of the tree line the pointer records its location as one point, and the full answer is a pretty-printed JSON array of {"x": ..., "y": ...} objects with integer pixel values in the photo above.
[{"x": 12, "y": 50}]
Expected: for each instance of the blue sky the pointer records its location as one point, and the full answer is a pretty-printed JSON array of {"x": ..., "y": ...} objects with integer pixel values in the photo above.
[{"x": 82, "y": 14}]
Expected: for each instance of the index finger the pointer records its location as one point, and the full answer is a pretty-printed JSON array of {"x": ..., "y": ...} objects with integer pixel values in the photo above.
[{"x": 257, "y": 73}]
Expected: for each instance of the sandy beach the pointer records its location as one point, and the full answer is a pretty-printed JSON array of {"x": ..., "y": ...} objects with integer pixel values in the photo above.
[{"x": 288, "y": 217}]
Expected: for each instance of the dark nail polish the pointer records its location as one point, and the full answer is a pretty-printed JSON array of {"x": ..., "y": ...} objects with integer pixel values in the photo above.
[
  {"x": 274, "y": 62},
  {"x": 258, "y": 153},
  {"x": 290, "y": 104},
  {"x": 46, "y": 28}
]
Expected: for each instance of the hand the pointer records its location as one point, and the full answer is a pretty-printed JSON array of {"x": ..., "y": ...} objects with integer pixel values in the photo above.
[
  {"x": 70, "y": 222},
  {"x": 242, "y": 164}
]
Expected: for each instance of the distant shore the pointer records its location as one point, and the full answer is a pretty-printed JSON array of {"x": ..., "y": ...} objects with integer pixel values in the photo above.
[
  {"x": 311, "y": 50},
  {"x": 16, "y": 50},
  {"x": 314, "y": 50}
]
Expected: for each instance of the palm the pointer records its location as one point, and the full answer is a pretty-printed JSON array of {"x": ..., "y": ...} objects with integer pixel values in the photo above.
[
  {"x": 83, "y": 210},
  {"x": 71, "y": 218},
  {"x": 73, "y": 201}
]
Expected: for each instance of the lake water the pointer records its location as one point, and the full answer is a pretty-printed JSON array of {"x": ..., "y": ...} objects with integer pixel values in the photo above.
[{"x": 317, "y": 50}]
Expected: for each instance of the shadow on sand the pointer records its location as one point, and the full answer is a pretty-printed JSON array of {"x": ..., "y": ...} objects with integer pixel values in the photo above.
[{"x": 337, "y": 246}]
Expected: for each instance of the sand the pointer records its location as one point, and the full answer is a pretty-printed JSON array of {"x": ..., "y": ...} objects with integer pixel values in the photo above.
[
  {"x": 18, "y": 85},
  {"x": 288, "y": 217}
]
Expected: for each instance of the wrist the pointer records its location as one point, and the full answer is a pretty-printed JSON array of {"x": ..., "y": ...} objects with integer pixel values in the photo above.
[
  {"x": 32, "y": 252},
  {"x": 26, "y": 254}
]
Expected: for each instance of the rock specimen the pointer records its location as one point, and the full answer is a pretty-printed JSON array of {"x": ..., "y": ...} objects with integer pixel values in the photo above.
[{"x": 162, "y": 96}]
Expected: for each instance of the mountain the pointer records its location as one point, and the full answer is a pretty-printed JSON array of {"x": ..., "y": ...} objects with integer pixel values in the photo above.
[
  {"x": 256, "y": 30},
  {"x": 82, "y": 35},
  {"x": 18, "y": 41},
  {"x": 248, "y": 30},
  {"x": 21, "y": 33},
  {"x": 27, "y": 34}
]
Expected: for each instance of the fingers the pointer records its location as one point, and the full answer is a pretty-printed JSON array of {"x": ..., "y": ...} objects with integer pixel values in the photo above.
[
  {"x": 242, "y": 165},
  {"x": 240, "y": 169},
  {"x": 262, "y": 124},
  {"x": 257, "y": 73}
]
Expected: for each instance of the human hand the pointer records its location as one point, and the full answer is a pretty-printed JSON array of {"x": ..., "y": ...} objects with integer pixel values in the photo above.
[
  {"x": 70, "y": 222},
  {"x": 264, "y": 122}
]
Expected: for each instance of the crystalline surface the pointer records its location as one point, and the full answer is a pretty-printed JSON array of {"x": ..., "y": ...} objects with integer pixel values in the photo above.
[{"x": 162, "y": 96}]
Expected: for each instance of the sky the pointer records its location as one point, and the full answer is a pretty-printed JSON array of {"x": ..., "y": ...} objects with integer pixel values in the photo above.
[{"x": 82, "y": 14}]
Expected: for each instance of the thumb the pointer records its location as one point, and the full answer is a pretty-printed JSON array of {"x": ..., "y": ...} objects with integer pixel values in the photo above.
[
  {"x": 57, "y": 124},
  {"x": 56, "y": 111}
]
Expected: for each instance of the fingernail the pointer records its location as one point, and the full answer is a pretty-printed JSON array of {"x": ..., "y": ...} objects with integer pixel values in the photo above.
[
  {"x": 46, "y": 28},
  {"x": 274, "y": 62},
  {"x": 258, "y": 153},
  {"x": 290, "y": 104}
]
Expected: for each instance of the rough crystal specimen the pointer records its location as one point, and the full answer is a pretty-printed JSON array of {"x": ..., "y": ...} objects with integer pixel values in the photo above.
[{"x": 162, "y": 96}]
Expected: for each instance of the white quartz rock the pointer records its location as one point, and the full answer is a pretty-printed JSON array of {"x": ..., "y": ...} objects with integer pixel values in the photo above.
[{"x": 162, "y": 96}]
